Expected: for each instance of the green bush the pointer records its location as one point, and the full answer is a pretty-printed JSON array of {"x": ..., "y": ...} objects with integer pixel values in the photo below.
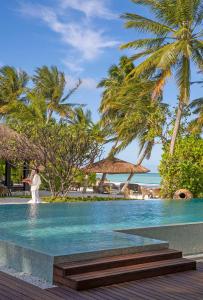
[
  {"x": 184, "y": 169},
  {"x": 80, "y": 199}
]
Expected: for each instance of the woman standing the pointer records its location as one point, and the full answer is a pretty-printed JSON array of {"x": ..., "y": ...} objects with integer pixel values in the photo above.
[{"x": 35, "y": 184}]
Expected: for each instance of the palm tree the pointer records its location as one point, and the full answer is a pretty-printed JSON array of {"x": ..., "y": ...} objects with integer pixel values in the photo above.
[
  {"x": 83, "y": 119},
  {"x": 174, "y": 42},
  {"x": 33, "y": 110},
  {"x": 196, "y": 125},
  {"x": 50, "y": 83},
  {"x": 129, "y": 112},
  {"x": 13, "y": 87}
]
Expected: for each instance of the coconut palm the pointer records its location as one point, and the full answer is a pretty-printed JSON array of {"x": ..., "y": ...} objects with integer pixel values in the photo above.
[
  {"x": 13, "y": 87},
  {"x": 33, "y": 110},
  {"x": 83, "y": 120},
  {"x": 50, "y": 83},
  {"x": 129, "y": 112},
  {"x": 196, "y": 125},
  {"x": 174, "y": 42},
  {"x": 81, "y": 117}
]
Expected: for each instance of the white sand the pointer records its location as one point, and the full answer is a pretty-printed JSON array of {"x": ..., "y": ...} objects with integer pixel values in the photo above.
[{"x": 27, "y": 277}]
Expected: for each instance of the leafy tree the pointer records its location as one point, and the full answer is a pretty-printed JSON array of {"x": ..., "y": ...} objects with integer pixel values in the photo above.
[
  {"x": 174, "y": 43},
  {"x": 50, "y": 83},
  {"x": 61, "y": 149},
  {"x": 184, "y": 169}
]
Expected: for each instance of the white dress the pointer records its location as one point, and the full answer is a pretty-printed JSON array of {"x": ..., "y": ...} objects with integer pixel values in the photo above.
[{"x": 36, "y": 181}]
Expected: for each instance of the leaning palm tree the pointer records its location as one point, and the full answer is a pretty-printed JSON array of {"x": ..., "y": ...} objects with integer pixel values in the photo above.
[
  {"x": 174, "y": 43},
  {"x": 13, "y": 87},
  {"x": 128, "y": 111},
  {"x": 50, "y": 83}
]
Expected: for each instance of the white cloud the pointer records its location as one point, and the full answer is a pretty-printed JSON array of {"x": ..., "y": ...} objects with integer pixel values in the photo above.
[
  {"x": 81, "y": 36},
  {"x": 91, "y": 8},
  {"x": 88, "y": 83},
  {"x": 72, "y": 65}
]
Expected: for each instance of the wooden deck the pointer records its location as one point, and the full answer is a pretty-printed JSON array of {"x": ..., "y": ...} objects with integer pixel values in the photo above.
[
  {"x": 100, "y": 272},
  {"x": 181, "y": 286}
]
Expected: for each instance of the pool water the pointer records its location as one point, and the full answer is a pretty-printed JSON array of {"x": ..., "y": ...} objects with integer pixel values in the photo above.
[{"x": 54, "y": 228}]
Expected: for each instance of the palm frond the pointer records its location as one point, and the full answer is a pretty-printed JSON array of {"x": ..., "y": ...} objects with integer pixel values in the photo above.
[{"x": 146, "y": 25}]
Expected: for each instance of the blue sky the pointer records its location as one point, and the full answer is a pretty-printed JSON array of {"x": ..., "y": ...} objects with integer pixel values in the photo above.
[{"x": 81, "y": 37}]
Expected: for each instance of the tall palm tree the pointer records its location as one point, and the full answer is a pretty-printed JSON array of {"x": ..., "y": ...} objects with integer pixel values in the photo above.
[
  {"x": 13, "y": 87},
  {"x": 50, "y": 83},
  {"x": 175, "y": 41},
  {"x": 129, "y": 112}
]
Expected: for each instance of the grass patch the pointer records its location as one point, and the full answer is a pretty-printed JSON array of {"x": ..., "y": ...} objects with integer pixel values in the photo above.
[{"x": 16, "y": 196}]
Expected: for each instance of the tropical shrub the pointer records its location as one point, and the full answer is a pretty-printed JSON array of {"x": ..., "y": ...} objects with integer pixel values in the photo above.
[{"x": 184, "y": 169}]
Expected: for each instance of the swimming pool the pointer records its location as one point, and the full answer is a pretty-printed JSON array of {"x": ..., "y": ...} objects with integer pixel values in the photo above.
[{"x": 60, "y": 229}]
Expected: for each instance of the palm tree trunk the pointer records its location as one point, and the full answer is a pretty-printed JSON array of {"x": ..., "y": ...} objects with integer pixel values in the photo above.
[
  {"x": 176, "y": 127},
  {"x": 49, "y": 115},
  {"x": 142, "y": 157},
  {"x": 127, "y": 182},
  {"x": 140, "y": 160}
]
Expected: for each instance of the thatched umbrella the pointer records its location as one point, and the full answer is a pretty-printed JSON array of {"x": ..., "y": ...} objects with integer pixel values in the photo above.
[
  {"x": 113, "y": 165},
  {"x": 23, "y": 149},
  {"x": 14, "y": 147}
]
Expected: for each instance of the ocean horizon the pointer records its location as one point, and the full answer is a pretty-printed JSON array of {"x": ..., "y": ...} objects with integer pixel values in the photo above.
[{"x": 145, "y": 179}]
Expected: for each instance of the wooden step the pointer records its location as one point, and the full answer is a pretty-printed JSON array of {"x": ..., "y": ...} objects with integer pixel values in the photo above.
[
  {"x": 124, "y": 274},
  {"x": 65, "y": 269}
]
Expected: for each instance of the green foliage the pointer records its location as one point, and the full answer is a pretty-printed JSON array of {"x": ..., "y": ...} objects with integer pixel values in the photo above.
[{"x": 184, "y": 169}]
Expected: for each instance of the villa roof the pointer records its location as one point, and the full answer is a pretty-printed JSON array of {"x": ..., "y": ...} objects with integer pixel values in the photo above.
[{"x": 115, "y": 166}]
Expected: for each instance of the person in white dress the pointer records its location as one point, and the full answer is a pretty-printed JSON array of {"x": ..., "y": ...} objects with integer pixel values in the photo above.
[{"x": 35, "y": 185}]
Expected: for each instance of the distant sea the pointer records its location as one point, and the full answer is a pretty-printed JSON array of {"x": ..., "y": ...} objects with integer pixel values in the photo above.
[{"x": 145, "y": 179}]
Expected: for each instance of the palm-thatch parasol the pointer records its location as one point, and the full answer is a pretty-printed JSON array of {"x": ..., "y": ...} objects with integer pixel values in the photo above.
[
  {"x": 113, "y": 165},
  {"x": 21, "y": 151},
  {"x": 15, "y": 147}
]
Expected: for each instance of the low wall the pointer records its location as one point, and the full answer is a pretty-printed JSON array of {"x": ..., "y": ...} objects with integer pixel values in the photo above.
[{"x": 185, "y": 237}]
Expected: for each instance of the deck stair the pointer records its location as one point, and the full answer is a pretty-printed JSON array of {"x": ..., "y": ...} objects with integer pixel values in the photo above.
[{"x": 117, "y": 269}]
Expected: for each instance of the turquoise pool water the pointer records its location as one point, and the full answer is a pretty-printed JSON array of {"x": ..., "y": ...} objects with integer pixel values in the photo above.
[{"x": 54, "y": 228}]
